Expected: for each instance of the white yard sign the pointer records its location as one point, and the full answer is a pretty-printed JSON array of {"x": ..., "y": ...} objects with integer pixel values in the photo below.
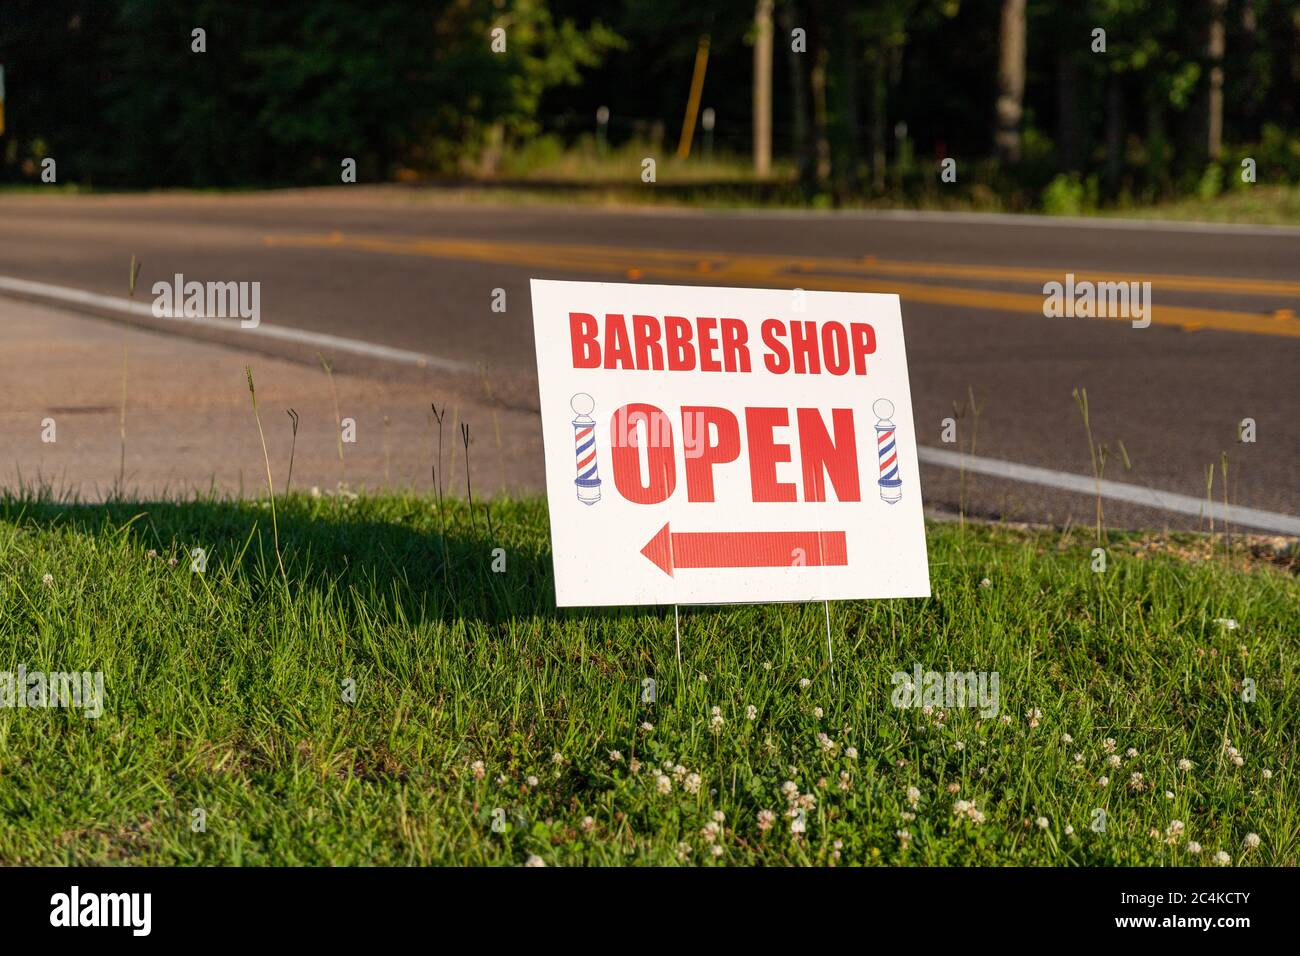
[{"x": 709, "y": 445}]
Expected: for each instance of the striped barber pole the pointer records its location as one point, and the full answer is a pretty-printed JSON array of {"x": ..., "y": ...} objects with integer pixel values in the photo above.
[
  {"x": 584, "y": 448},
  {"x": 891, "y": 486}
]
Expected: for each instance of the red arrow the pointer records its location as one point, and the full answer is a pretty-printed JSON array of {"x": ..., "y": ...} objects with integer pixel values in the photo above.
[{"x": 745, "y": 549}]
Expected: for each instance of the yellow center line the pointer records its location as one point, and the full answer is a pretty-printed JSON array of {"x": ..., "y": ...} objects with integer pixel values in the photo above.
[{"x": 824, "y": 274}]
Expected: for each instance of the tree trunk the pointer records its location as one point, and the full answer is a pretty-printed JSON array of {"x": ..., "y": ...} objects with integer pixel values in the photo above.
[
  {"x": 848, "y": 150},
  {"x": 1114, "y": 131},
  {"x": 1069, "y": 145},
  {"x": 879, "y": 104},
  {"x": 823, "y": 166},
  {"x": 1214, "y": 102},
  {"x": 801, "y": 129},
  {"x": 1011, "y": 80},
  {"x": 763, "y": 88}
]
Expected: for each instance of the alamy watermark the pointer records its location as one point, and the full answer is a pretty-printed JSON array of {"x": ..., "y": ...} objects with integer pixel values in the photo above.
[
  {"x": 24, "y": 689},
  {"x": 947, "y": 689},
  {"x": 1085, "y": 299},
  {"x": 208, "y": 300}
]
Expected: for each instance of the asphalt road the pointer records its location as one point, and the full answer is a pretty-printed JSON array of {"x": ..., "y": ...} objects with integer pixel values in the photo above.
[{"x": 406, "y": 269}]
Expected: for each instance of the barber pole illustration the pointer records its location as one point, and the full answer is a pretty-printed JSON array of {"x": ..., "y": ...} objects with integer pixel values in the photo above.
[
  {"x": 584, "y": 448},
  {"x": 891, "y": 486}
]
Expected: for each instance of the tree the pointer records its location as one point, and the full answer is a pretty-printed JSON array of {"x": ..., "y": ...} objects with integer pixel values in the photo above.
[{"x": 1011, "y": 80}]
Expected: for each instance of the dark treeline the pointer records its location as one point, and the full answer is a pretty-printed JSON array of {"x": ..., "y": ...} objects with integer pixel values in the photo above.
[{"x": 1110, "y": 97}]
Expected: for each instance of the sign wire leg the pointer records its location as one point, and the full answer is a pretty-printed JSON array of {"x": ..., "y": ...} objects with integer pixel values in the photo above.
[
  {"x": 677, "y": 628},
  {"x": 830, "y": 654}
]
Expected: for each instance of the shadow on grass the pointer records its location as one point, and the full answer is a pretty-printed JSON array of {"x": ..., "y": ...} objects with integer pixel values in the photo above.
[{"x": 490, "y": 565}]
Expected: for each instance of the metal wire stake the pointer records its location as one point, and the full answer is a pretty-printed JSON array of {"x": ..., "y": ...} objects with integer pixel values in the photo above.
[
  {"x": 829, "y": 653},
  {"x": 677, "y": 628}
]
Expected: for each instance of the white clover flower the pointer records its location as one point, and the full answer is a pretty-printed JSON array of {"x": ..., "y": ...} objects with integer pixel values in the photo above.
[
  {"x": 663, "y": 784},
  {"x": 751, "y": 712},
  {"x": 961, "y": 807},
  {"x": 1252, "y": 840},
  {"x": 1103, "y": 782},
  {"x": 1184, "y": 765},
  {"x": 807, "y": 801},
  {"x": 716, "y": 850},
  {"x": 1069, "y": 830},
  {"x": 557, "y": 758},
  {"x": 588, "y": 824},
  {"x": 845, "y": 783},
  {"x": 634, "y": 765},
  {"x": 478, "y": 769},
  {"x": 1066, "y": 739},
  {"x": 1135, "y": 781},
  {"x": 719, "y": 816},
  {"x": 1006, "y": 718},
  {"x": 767, "y": 665},
  {"x": 1238, "y": 761},
  {"x": 818, "y": 713},
  {"x": 48, "y": 580},
  {"x": 765, "y": 820},
  {"x": 1078, "y": 758},
  {"x": 790, "y": 790},
  {"x": 710, "y": 832},
  {"x": 647, "y": 727},
  {"x": 825, "y": 743},
  {"x": 913, "y": 796},
  {"x": 1108, "y": 745},
  {"x": 1131, "y": 753},
  {"x": 1175, "y": 829},
  {"x": 1041, "y": 823},
  {"x": 534, "y": 860},
  {"x": 1266, "y": 774},
  {"x": 531, "y": 781},
  {"x": 692, "y": 783},
  {"x": 1227, "y": 622},
  {"x": 1193, "y": 847},
  {"x": 1169, "y": 794},
  {"x": 804, "y": 683},
  {"x": 679, "y": 773},
  {"x": 1112, "y": 760},
  {"x": 852, "y": 754},
  {"x": 615, "y": 756},
  {"x": 1222, "y": 858},
  {"x": 976, "y": 816},
  {"x": 985, "y": 583},
  {"x": 904, "y": 837}
]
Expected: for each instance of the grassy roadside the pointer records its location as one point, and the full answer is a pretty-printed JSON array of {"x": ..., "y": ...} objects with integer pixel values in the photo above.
[
  {"x": 473, "y": 694},
  {"x": 719, "y": 186}
]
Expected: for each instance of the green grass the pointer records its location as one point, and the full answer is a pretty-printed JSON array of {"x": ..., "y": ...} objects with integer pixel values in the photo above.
[{"x": 223, "y": 692}]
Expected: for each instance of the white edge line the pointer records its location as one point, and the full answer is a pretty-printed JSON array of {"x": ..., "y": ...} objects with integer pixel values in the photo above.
[
  {"x": 299, "y": 336},
  {"x": 1114, "y": 490}
]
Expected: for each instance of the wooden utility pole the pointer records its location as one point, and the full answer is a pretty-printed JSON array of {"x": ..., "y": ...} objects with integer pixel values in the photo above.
[{"x": 763, "y": 88}]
